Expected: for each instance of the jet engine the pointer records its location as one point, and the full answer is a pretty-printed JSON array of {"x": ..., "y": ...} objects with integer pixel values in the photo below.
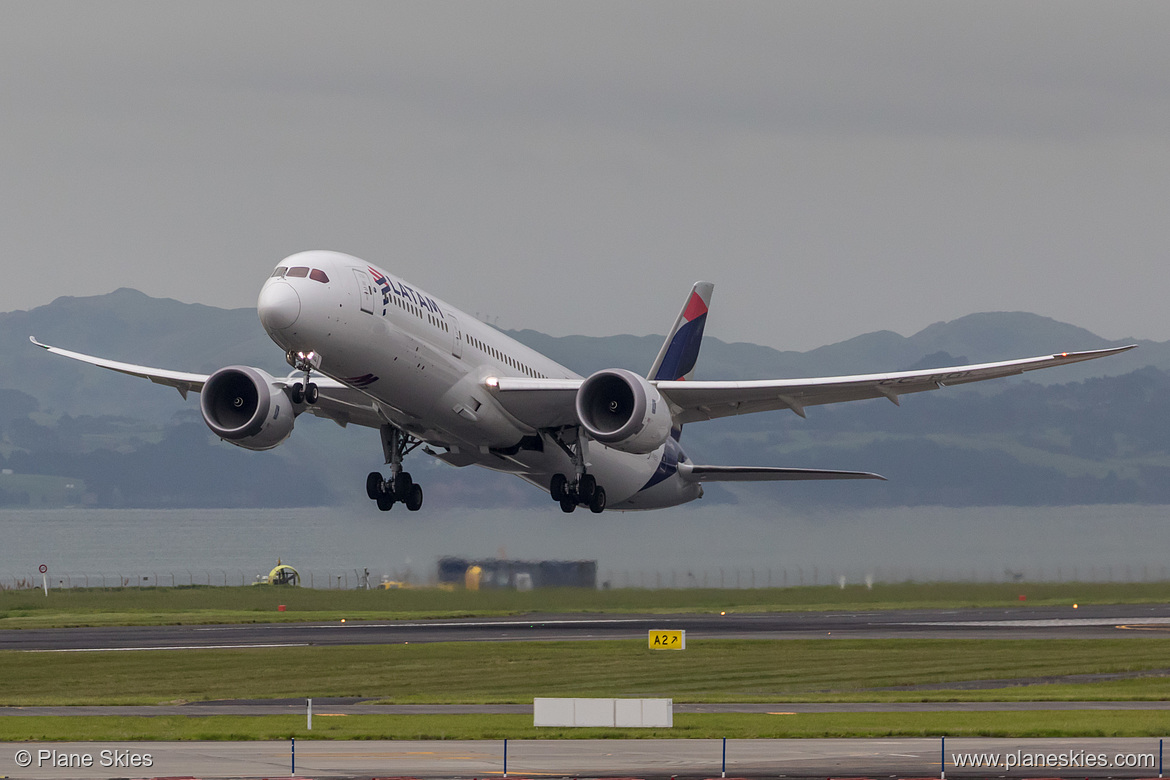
[
  {"x": 622, "y": 410},
  {"x": 240, "y": 406}
]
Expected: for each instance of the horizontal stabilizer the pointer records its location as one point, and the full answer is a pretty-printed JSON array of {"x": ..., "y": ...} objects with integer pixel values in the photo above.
[{"x": 693, "y": 473}]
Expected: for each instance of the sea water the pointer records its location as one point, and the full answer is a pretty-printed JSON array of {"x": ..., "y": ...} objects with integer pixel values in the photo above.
[{"x": 744, "y": 545}]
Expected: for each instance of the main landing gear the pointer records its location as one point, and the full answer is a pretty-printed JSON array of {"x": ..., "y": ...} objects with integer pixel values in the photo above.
[
  {"x": 396, "y": 444},
  {"x": 581, "y": 491},
  {"x": 584, "y": 492}
]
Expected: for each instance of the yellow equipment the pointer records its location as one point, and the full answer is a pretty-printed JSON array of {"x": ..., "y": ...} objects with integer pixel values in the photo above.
[{"x": 283, "y": 574}]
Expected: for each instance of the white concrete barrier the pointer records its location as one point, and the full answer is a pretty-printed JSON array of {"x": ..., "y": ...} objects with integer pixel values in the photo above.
[{"x": 624, "y": 713}]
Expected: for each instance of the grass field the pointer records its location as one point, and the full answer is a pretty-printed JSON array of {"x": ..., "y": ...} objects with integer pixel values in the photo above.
[
  {"x": 709, "y": 671},
  {"x": 516, "y": 672},
  {"x": 200, "y": 605},
  {"x": 1107, "y": 723}
]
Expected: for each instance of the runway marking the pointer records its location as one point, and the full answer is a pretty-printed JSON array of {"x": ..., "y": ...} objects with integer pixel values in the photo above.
[
  {"x": 169, "y": 647},
  {"x": 1144, "y": 627},
  {"x": 369, "y": 754},
  {"x": 1041, "y": 623},
  {"x": 486, "y": 624}
]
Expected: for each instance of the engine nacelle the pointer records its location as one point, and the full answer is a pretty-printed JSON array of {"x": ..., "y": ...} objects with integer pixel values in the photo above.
[
  {"x": 622, "y": 410},
  {"x": 240, "y": 406}
]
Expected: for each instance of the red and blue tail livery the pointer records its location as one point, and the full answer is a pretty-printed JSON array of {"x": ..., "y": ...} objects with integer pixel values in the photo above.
[{"x": 676, "y": 360}]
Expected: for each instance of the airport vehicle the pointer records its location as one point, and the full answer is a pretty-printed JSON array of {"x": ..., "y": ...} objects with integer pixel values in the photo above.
[
  {"x": 369, "y": 349},
  {"x": 281, "y": 574}
]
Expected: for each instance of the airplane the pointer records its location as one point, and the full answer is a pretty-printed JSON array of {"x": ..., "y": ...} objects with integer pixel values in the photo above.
[{"x": 369, "y": 349}]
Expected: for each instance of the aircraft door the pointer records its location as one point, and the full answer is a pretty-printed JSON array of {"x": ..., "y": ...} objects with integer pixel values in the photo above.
[
  {"x": 367, "y": 290},
  {"x": 456, "y": 336}
]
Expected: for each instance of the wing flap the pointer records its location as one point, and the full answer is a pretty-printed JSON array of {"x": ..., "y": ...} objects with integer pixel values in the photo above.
[{"x": 540, "y": 403}]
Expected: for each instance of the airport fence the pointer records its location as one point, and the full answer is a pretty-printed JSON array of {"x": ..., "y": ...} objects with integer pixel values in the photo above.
[
  {"x": 677, "y": 578},
  {"x": 345, "y": 580}
]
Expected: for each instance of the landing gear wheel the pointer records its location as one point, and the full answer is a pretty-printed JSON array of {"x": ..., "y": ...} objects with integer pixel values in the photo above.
[
  {"x": 556, "y": 488},
  {"x": 374, "y": 485},
  {"x": 402, "y": 485},
  {"x": 586, "y": 488},
  {"x": 385, "y": 502},
  {"x": 297, "y": 394},
  {"x": 311, "y": 394},
  {"x": 568, "y": 504},
  {"x": 597, "y": 504},
  {"x": 414, "y": 498}
]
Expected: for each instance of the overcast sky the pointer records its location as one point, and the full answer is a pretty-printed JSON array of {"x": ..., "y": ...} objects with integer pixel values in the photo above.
[{"x": 834, "y": 168}]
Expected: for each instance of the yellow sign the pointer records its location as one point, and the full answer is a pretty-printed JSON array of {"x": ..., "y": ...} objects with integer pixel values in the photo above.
[{"x": 668, "y": 640}]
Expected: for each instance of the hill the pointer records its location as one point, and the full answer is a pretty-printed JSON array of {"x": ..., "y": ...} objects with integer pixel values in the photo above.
[{"x": 1095, "y": 434}]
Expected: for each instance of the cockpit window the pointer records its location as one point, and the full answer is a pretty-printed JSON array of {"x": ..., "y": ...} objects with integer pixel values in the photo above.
[
  {"x": 298, "y": 271},
  {"x": 318, "y": 276},
  {"x": 279, "y": 272}
]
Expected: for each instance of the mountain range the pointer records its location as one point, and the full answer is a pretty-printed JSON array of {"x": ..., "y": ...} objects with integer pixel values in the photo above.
[{"x": 1091, "y": 433}]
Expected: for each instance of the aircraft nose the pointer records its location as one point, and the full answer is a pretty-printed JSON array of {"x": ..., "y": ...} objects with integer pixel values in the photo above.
[{"x": 278, "y": 306}]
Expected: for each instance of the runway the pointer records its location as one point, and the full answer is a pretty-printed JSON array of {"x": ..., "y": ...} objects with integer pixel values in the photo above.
[
  {"x": 987, "y": 623},
  {"x": 633, "y": 758},
  {"x": 1138, "y": 621}
]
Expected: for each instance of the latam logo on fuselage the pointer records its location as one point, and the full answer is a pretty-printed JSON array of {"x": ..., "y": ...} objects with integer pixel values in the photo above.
[{"x": 388, "y": 286}]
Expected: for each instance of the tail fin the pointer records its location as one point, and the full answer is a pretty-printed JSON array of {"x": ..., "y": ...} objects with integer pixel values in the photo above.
[{"x": 680, "y": 351}]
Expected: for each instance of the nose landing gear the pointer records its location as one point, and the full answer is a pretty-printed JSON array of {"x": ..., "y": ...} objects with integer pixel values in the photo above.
[
  {"x": 400, "y": 487},
  {"x": 306, "y": 392}
]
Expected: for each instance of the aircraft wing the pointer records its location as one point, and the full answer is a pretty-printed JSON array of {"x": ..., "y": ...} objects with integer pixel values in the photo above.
[
  {"x": 337, "y": 401},
  {"x": 541, "y": 403},
  {"x": 550, "y": 403},
  {"x": 709, "y": 400},
  {"x": 184, "y": 381}
]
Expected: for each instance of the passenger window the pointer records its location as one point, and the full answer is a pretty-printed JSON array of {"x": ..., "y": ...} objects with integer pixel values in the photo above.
[
  {"x": 318, "y": 276},
  {"x": 298, "y": 272}
]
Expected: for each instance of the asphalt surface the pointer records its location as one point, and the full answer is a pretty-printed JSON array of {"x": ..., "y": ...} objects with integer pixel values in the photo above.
[
  {"x": 991, "y": 623},
  {"x": 633, "y": 758},
  {"x": 587, "y": 758}
]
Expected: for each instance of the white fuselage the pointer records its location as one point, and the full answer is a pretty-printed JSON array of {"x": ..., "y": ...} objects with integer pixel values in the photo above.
[{"x": 424, "y": 364}]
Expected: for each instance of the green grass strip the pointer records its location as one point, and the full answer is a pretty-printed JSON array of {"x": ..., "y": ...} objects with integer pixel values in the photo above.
[
  {"x": 723, "y": 670},
  {"x": 205, "y": 605},
  {"x": 1101, "y": 723}
]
